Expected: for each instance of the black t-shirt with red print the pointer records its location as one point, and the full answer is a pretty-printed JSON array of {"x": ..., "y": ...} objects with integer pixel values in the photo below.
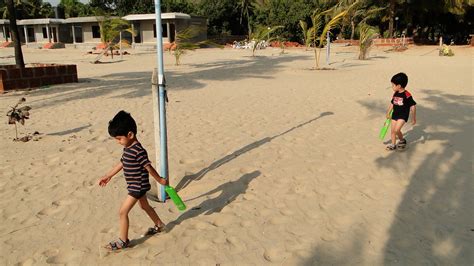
[{"x": 402, "y": 101}]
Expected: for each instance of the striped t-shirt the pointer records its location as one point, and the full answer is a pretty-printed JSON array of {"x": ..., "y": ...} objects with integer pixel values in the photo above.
[{"x": 134, "y": 160}]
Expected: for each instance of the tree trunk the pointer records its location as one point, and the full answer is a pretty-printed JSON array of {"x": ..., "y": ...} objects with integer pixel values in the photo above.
[
  {"x": 15, "y": 34},
  {"x": 352, "y": 30},
  {"x": 391, "y": 16}
]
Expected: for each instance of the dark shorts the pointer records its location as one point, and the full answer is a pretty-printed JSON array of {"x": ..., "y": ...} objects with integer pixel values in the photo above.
[
  {"x": 137, "y": 195},
  {"x": 400, "y": 116}
]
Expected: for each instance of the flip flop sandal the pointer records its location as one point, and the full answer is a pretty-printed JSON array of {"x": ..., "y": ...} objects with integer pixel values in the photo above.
[
  {"x": 156, "y": 229},
  {"x": 402, "y": 143},
  {"x": 117, "y": 245},
  {"x": 391, "y": 147}
]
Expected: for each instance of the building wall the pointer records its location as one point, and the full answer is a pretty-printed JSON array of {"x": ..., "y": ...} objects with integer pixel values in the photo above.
[
  {"x": 146, "y": 28},
  {"x": 87, "y": 32},
  {"x": 4, "y": 29},
  {"x": 64, "y": 32}
]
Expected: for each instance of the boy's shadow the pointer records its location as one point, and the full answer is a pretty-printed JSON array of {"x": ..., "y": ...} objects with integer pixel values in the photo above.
[{"x": 228, "y": 193}]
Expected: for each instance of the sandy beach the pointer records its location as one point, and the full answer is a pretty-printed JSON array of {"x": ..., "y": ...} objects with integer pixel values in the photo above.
[{"x": 277, "y": 163}]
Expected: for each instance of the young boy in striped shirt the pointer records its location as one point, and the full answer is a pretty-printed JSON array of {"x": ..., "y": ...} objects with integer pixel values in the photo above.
[{"x": 136, "y": 168}]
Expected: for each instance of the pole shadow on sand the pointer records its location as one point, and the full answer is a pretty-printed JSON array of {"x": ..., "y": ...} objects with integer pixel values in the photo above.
[
  {"x": 228, "y": 192},
  {"x": 216, "y": 164},
  {"x": 433, "y": 223}
]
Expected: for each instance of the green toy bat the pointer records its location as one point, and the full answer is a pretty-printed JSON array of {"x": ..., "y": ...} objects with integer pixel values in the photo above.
[
  {"x": 175, "y": 198},
  {"x": 385, "y": 127}
]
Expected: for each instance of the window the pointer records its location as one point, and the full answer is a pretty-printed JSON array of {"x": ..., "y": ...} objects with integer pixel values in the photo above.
[
  {"x": 45, "y": 33},
  {"x": 165, "y": 30},
  {"x": 95, "y": 32}
]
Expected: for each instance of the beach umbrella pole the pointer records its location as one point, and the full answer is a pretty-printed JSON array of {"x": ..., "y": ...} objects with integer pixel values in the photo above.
[{"x": 159, "y": 106}]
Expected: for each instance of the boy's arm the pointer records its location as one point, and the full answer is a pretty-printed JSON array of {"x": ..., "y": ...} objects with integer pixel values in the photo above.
[
  {"x": 155, "y": 175},
  {"x": 390, "y": 107},
  {"x": 413, "y": 110},
  {"x": 106, "y": 178}
]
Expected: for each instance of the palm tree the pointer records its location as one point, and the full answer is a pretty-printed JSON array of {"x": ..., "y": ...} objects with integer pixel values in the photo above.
[
  {"x": 262, "y": 34},
  {"x": 317, "y": 19},
  {"x": 110, "y": 29},
  {"x": 367, "y": 34},
  {"x": 245, "y": 9},
  {"x": 307, "y": 33},
  {"x": 15, "y": 34},
  {"x": 185, "y": 42}
]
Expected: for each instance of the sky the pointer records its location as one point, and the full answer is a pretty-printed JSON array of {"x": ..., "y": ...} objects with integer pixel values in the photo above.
[{"x": 56, "y": 2}]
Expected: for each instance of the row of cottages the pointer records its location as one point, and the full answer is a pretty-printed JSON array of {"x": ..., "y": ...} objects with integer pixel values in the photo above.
[{"x": 84, "y": 32}]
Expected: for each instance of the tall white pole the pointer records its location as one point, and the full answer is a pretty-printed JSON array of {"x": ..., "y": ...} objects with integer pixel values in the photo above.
[
  {"x": 162, "y": 104},
  {"x": 73, "y": 34},
  {"x": 328, "y": 47},
  {"x": 26, "y": 34},
  {"x": 121, "y": 53}
]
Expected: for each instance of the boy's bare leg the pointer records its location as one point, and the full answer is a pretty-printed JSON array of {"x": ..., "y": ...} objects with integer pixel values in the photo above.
[
  {"x": 143, "y": 202},
  {"x": 127, "y": 205},
  {"x": 393, "y": 132},
  {"x": 398, "y": 129}
]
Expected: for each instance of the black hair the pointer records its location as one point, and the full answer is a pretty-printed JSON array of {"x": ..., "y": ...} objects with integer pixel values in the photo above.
[
  {"x": 400, "y": 79},
  {"x": 121, "y": 124}
]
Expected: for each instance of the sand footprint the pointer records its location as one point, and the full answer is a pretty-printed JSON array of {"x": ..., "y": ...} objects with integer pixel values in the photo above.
[
  {"x": 274, "y": 254},
  {"x": 235, "y": 245},
  {"x": 65, "y": 257},
  {"x": 223, "y": 220},
  {"x": 28, "y": 262},
  {"x": 55, "y": 207}
]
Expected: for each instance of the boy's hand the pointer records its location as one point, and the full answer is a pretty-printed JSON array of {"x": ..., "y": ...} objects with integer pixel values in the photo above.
[
  {"x": 104, "y": 180},
  {"x": 163, "y": 181},
  {"x": 388, "y": 115}
]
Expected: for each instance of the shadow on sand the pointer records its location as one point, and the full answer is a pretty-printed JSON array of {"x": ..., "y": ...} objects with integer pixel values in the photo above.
[
  {"x": 138, "y": 84},
  {"x": 216, "y": 164},
  {"x": 433, "y": 224},
  {"x": 228, "y": 192}
]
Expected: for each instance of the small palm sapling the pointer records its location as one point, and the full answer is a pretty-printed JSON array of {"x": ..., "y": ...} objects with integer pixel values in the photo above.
[{"x": 18, "y": 115}]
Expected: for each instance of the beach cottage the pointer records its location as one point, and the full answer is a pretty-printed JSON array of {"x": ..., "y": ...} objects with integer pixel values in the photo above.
[
  {"x": 85, "y": 32},
  {"x": 37, "y": 32},
  {"x": 144, "y": 26}
]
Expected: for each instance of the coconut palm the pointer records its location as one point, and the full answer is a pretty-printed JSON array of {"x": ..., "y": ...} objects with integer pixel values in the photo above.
[
  {"x": 110, "y": 29},
  {"x": 316, "y": 35},
  {"x": 307, "y": 33},
  {"x": 262, "y": 34},
  {"x": 245, "y": 11},
  {"x": 367, "y": 34},
  {"x": 15, "y": 34},
  {"x": 185, "y": 42}
]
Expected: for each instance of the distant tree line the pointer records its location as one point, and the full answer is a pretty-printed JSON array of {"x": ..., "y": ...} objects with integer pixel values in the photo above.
[{"x": 425, "y": 20}]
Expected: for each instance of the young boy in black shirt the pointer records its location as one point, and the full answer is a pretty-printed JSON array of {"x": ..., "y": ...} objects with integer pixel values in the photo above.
[{"x": 402, "y": 103}]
